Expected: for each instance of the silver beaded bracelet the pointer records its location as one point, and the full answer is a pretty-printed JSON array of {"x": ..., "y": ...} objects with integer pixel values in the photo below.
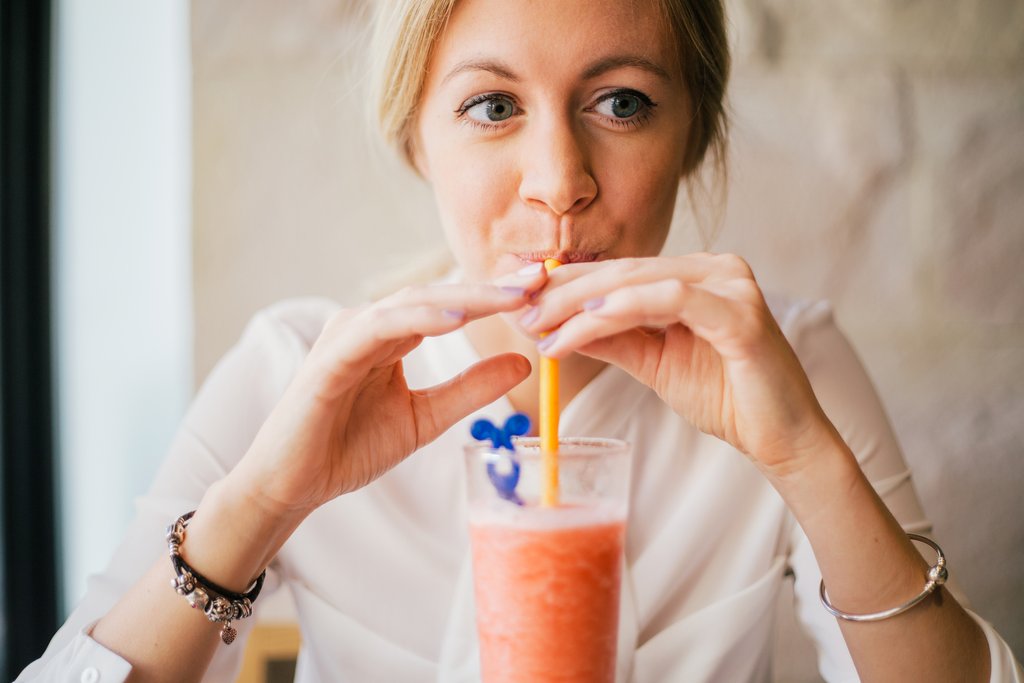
[
  {"x": 937, "y": 576},
  {"x": 218, "y": 604}
]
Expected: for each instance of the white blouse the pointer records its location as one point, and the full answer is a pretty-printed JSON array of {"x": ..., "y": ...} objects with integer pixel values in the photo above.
[{"x": 381, "y": 577}]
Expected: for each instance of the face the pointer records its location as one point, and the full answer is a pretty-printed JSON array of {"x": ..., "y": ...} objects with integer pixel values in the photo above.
[{"x": 552, "y": 129}]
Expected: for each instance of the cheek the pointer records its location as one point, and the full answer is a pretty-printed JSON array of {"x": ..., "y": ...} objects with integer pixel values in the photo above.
[
  {"x": 470, "y": 187},
  {"x": 473, "y": 191},
  {"x": 457, "y": 170},
  {"x": 469, "y": 196},
  {"x": 642, "y": 196}
]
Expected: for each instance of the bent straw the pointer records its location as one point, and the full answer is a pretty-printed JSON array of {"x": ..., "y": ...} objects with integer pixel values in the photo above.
[{"x": 549, "y": 419}]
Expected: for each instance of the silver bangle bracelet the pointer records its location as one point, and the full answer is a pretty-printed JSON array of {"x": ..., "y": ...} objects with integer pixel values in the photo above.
[{"x": 937, "y": 576}]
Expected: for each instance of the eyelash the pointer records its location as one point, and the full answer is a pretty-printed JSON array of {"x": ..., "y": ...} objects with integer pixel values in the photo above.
[
  {"x": 478, "y": 99},
  {"x": 636, "y": 121}
]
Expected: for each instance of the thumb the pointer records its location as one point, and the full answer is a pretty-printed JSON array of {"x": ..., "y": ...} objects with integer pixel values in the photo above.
[
  {"x": 636, "y": 351},
  {"x": 439, "y": 407}
]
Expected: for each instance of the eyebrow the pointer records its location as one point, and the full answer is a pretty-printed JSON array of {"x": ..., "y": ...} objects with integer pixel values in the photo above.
[
  {"x": 599, "y": 68},
  {"x": 497, "y": 68},
  {"x": 620, "y": 61}
]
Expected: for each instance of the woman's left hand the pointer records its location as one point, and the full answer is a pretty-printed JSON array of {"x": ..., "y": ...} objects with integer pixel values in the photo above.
[{"x": 697, "y": 330}]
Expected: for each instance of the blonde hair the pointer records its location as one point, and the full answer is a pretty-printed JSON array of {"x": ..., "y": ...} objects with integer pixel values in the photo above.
[
  {"x": 406, "y": 31},
  {"x": 403, "y": 38}
]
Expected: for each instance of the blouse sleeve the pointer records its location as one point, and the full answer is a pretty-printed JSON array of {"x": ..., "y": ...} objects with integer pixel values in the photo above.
[
  {"x": 849, "y": 399},
  {"x": 215, "y": 433}
]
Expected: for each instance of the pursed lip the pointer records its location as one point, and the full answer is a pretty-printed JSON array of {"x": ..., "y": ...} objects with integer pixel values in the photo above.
[{"x": 563, "y": 256}]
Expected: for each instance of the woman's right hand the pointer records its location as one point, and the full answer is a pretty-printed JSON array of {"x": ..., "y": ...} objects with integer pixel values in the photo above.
[{"x": 349, "y": 416}]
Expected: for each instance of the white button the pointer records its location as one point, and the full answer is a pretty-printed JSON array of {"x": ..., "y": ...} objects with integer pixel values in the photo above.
[{"x": 90, "y": 675}]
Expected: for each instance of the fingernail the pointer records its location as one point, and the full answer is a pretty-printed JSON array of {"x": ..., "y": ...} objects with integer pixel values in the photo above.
[
  {"x": 514, "y": 291},
  {"x": 532, "y": 269},
  {"x": 530, "y": 317},
  {"x": 593, "y": 304},
  {"x": 546, "y": 343},
  {"x": 454, "y": 314}
]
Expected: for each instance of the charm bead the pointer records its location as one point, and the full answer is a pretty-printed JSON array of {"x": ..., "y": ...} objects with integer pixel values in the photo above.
[
  {"x": 198, "y": 599},
  {"x": 220, "y": 605},
  {"x": 219, "y": 609}
]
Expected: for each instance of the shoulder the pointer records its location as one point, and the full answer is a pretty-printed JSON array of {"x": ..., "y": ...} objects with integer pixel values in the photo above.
[
  {"x": 248, "y": 381},
  {"x": 278, "y": 337},
  {"x": 800, "y": 319},
  {"x": 291, "y": 322},
  {"x": 841, "y": 382},
  {"x": 811, "y": 329},
  {"x": 273, "y": 345}
]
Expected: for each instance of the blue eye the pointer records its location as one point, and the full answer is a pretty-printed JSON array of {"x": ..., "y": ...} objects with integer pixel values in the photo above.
[
  {"x": 625, "y": 107},
  {"x": 490, "y": 108}
]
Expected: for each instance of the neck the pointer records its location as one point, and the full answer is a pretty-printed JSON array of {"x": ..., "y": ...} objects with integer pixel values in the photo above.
[{"x": 491, "y": 336}]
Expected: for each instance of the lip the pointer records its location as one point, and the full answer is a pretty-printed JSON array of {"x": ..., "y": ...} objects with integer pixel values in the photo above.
[{"x": 563, "y": 256}]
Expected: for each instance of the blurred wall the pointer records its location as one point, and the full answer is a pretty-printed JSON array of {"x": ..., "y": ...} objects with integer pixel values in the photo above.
[
  {"x": 122, "y": 277},
  {"x": 878, "y": 161}
]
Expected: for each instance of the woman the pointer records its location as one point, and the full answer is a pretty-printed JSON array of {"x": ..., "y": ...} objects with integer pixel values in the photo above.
[{"x": 546, "y": 129}]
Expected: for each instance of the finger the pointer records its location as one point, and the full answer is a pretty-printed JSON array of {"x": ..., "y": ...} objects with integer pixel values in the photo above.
[
  {"x": 399, "y": 351},
  {"x": 737, "y": 289},
  {"x": 734, "y": 327},
  {"x": 439, "y": 407},
  {"x": 568, "y": 294},
  {"x": 375, "y": 333},
  {"x": 654, "y": 304},
  {"x": 637, "y": 351},
  {"x": 700, "y": 266},
  {"x": 532, "y": 276},
  {"x": 475, "y": 299}
]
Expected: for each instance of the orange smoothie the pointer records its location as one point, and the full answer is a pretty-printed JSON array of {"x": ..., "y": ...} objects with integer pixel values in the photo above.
[{"x": 547, "y": 592}]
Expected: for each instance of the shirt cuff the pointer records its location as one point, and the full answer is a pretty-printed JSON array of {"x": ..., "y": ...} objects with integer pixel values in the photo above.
[
  {"x": 1005, "y": 667},
  {"x": 82, "y": 660}
]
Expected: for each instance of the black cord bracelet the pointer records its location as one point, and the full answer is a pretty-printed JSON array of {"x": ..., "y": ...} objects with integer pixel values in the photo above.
[{"x": 217, "y": 603}]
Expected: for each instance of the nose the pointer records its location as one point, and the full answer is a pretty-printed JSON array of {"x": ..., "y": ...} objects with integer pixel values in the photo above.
[{"x": 555, "y": 169}]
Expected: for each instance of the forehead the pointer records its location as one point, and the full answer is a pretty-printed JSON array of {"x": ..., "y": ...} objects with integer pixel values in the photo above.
[{"x": 554, "y": 36}]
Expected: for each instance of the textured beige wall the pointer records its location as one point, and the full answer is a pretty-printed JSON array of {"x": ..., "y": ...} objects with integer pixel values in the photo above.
[{"x": 878, "y": 161}]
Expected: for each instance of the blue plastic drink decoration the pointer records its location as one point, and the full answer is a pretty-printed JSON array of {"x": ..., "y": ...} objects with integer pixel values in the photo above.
[{"x": 505, "y": 480}]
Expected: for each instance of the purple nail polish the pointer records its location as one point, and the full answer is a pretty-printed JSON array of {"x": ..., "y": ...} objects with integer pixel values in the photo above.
[
  {"x": 531, "y": 269},
  {"x": 530, "y": 317},
  {"x": 593, "y": 304},
  {"x": 454, "y": 314},
  {"x": 514, "y": 291},
  {"x": 547, "y": 342}
]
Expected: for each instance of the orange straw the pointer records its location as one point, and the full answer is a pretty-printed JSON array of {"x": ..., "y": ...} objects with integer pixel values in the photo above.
[{"x": 549, "y": 419}]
